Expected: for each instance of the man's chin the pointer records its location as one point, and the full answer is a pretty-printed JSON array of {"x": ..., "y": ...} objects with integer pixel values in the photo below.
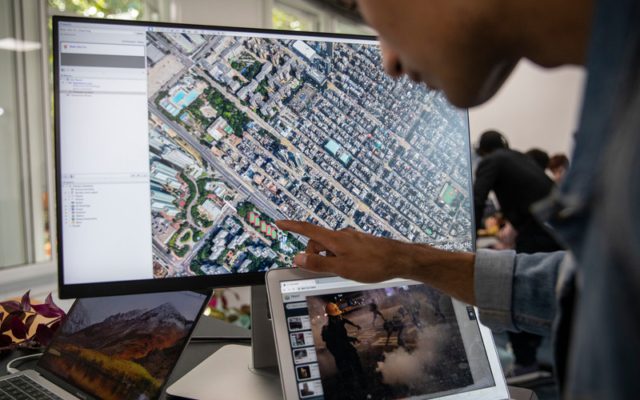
[
  {"x": 467, "y": 99},
  {"x": 471, "y": 95},
  {"x": 496, "y": 80}
]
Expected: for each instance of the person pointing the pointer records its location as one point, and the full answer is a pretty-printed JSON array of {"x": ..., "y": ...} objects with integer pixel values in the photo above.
[{"x": 587, "y": 297}]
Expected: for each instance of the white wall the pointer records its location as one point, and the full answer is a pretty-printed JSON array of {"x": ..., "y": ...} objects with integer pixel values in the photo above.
[{"x": 536, "y": 108}]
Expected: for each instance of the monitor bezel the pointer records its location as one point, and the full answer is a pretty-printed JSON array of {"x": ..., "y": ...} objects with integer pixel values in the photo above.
[{"x": 93, "y": 289}]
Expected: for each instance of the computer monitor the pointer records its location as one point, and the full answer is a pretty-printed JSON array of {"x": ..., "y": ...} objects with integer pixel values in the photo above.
[{"x": 178, "y": 147}]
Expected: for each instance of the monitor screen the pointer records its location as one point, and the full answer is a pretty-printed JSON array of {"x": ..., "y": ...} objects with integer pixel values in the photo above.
[{"x": 179, "y": 146}]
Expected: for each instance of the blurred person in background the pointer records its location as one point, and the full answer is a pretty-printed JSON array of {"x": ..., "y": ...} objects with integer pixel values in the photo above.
[
  {"x": 540, "y": 157},
  {"x": 558, "y": 166},
  {"x": 518, "y": 181}
]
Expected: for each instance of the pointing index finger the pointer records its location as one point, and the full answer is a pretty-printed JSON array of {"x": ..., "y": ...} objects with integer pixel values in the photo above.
[{"x": 314, "y": 232}]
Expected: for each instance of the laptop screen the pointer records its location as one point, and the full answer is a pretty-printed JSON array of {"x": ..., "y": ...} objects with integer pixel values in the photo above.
[{"x": 123, "y": 347}]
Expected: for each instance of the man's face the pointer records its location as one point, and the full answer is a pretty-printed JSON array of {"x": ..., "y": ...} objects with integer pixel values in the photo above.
[{"x": 452, "y": 45}]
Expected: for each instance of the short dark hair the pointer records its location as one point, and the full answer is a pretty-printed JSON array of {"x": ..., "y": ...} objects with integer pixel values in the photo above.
[
  {"x": 491, "y": 141},
  {"x": 558, "y": 161},
  {"x": 540, "y": 157}
]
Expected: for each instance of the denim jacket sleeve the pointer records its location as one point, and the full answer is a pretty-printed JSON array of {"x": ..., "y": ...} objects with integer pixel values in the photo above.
[{"x": 517, "y": 292}]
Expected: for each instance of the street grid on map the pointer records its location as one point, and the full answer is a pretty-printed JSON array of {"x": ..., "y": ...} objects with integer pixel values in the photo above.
[{"x": 244, "y": 131}]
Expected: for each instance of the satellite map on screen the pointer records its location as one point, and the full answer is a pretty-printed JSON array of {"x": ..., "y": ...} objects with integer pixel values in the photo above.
[{"x": 247, "y": 130}]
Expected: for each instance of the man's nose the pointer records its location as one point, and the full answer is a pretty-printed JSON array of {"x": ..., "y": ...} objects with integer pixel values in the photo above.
[{"x": 391, "y": 61}]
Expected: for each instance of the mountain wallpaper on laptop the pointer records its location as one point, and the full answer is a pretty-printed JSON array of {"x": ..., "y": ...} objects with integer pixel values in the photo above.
[{"x": 127, "y": 355}]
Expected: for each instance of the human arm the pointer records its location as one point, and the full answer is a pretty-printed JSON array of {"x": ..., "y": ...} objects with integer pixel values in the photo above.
[
  {"x": 513, "y": 292},
  {"x": 518, "y": 292},
  {"x": 346, "y": 321},
  {"x": 365, "y": 258},
  {"x": 485, "y": 179}
]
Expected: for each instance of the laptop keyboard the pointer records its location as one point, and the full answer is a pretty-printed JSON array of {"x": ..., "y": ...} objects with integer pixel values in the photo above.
[{"x": 23, "y": 388}]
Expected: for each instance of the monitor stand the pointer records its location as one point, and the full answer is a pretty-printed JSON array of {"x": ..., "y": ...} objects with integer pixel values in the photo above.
[{"x": 235, "y": 371}]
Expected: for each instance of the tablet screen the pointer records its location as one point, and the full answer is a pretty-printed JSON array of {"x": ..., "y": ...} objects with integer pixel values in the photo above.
[{"x": 393, "y": 340}]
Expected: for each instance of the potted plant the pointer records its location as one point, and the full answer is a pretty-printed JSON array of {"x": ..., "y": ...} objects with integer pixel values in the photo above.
[
  {"x": 24, "y": 324},
  {"x": 219, "y": 308}
]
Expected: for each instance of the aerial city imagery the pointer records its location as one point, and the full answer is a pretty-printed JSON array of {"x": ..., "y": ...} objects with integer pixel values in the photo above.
[{"x": 244, "y": 131}]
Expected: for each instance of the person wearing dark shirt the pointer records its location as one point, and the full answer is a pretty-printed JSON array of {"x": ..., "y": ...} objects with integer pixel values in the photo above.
[
  {"x": 518, "y": 182},
  {"x": 540, "y": 156},
  {"x": 340, "y": 345},
  {"x": 373, "y": 307}
]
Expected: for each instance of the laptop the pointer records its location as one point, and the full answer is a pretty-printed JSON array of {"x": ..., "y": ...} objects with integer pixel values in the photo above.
[
  {"x": 120, "y": 347},
  {"x": 400, "y": 339}
]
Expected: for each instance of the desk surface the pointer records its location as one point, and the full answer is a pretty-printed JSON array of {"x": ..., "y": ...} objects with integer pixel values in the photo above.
[
  {"x": 203, "y": 344},
  {"x": 199, "y": 349},
  {"x": 194, "y": 354}
]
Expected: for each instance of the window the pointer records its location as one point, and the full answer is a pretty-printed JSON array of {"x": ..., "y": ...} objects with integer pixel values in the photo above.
[
  {"x": 26, "y": 138},
  {"x": 299, "y": 15},
  {"x": 27, "y": 190},
  {"x": 25, "y": 173},
  {"x": 117, "y": 9},
  {"x": 341, "y": 25},
  {"x": 290, "y": 18}
]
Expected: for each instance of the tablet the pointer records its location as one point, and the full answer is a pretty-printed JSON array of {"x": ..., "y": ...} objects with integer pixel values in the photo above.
[{"x": 340, "y": 339}]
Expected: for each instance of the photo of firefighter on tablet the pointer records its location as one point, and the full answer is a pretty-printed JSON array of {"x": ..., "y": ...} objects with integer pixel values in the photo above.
[{"x": 389, "y": 343}]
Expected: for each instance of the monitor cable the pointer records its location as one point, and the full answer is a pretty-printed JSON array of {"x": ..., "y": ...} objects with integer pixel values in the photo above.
[{"x": 10, "y": 365}]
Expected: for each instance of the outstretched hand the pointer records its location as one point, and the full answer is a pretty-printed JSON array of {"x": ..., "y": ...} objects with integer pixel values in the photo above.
[
  {"x": 350, "y": 254},
  {"x": 366, "y": 258}
]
